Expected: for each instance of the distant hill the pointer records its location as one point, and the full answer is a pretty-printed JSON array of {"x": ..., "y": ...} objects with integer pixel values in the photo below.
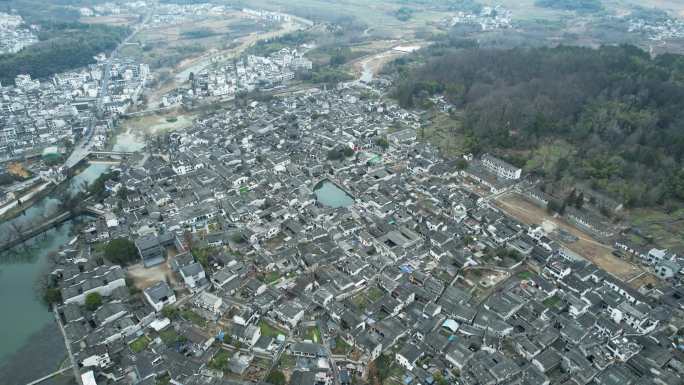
[
  {"x": 62, "y": 47},
  {"x": 571, "y": 5},
  {"x": 64, "y": 43},
  {"x": 612, "y": 118}
]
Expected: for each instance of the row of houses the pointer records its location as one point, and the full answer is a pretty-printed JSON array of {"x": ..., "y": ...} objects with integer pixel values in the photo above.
[{"x": 406, "y": 263}]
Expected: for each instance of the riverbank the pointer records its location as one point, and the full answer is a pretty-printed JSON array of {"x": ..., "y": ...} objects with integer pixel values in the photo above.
[
  {"x": 13, "y": 209},
  {"x": 22, "y": 367},
  {"x": 46, "y": 189},
  {"x": 29, "y": 330}
]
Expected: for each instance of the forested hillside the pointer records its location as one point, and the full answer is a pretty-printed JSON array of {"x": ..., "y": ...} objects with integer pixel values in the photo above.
[
  {"x": 612, "y": 118},
  {"x": 64, "y": 42},
  {"x": 571, "y": 5},
  {"x": 36, "y": 11},
  {"x": 62, "y": 46}
]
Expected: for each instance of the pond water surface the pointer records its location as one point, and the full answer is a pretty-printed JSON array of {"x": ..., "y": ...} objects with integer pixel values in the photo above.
[{"x": 331, "y": 195}]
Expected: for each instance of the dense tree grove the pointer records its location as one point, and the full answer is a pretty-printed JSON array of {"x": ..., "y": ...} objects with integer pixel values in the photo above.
[
  {"x": 97, "y": 188},
  {"x": 404, "y": 13},
  {"x": 572, "y": 5},
  {"x": 52, "y": 295},
  {"x": 37, "y": 11},
  {"x": 93, "y": 301},
  {"x": 268, "y": 47},
  {"x": 62, "y": 47},
  {"x": 121, "y": 251},
  {"x": 615, "y": 114},
  {"x": 198, "y": 33},
  {"x": 276, "y": 377}
]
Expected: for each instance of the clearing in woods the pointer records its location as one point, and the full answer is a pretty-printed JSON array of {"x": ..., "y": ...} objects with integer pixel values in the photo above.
[{"x": 110, "y": 20}]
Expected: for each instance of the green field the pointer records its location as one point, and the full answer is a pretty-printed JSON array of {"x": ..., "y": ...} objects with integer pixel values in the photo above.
[
  {"x": 140, "y": 344},
  {"x": 665, "y": 230},
  {"x": 313, "y": 334},
  {"x": 193, "y": 317},
  {"x": 554, "y": 301},
  {"x": 270, "y": 277},
  {"x": 170, "y": 337},
  {"x": 377, "y": 15},
  {"x": 341, "y": 347},
  {"x": 220, "y": 360},
  {"x": 445, "y": 132},
  {"x": 287, "y": 361},
  {"x": 360, "y": 301},
  {"x": 374, "y": 293},
  {"x": 525, "y": 274},
  {"x": 269, "y": 330}
]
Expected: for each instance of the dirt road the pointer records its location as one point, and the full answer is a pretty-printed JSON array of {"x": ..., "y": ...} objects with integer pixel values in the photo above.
[
  {"x": 588, "y": 247},
  {"x": 181, "y": 72},
  {"x": 369, "y": 66}
]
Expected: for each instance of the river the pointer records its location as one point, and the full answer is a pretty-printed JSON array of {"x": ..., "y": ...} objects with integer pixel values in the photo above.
[{"x": 31, "y": 345}]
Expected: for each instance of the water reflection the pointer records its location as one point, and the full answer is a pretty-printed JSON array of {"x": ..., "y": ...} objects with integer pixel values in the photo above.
[
  {"x": 331, "y": 195},
  {"x": 28, "y": 329},
  {"x": 79, "y": 182},
  {"x": 21, "y": 268},
  {"x": 37, "y": 213}
]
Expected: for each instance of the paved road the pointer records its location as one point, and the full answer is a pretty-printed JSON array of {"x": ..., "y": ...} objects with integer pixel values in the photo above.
[
  {"x": 326, "y": 345},
  {"x": 105, "y": 82},
  {"x": 84, "y": 146},
  {"x": 24, "y": 198},
  {"x": 49, "y": 376},
  {"x": 74, "y": 364}
]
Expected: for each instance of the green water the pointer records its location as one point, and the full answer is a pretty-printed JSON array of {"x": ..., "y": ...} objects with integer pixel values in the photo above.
[
  {"x": 30, "y": 343},
  {"x": 23, "y": 313},
  {"x": 327, "y": 193},
  {"x": 87, "y": 176},
  {"x": 49, "y": 205},
  {"x": 34, "y": 214},
  {"x": 27, "y": 328}
]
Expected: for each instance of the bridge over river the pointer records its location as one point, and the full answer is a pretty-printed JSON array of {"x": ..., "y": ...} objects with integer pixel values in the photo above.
[
  {"x": 37, "y": 229},
  {"x": 79, "y": 156}
]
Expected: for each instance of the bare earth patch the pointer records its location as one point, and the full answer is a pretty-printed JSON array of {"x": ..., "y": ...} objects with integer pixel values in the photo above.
[
  {"x": 374, "y": 63},
  {"x": 157, "y": 124},
  {"x": 18, "y": 170},
  {"x": 110, "y": 20},
  {"x": 146, "y": 277},
  {"x": 646, "y": 279},
  {"x": 588, "y": 247},
  {"x": 213, "y": 46}
]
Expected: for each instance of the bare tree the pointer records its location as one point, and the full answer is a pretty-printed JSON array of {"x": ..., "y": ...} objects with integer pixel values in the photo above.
[
  {"x": 54, "y": 258},
  {"x": 15, "y": 231}
]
